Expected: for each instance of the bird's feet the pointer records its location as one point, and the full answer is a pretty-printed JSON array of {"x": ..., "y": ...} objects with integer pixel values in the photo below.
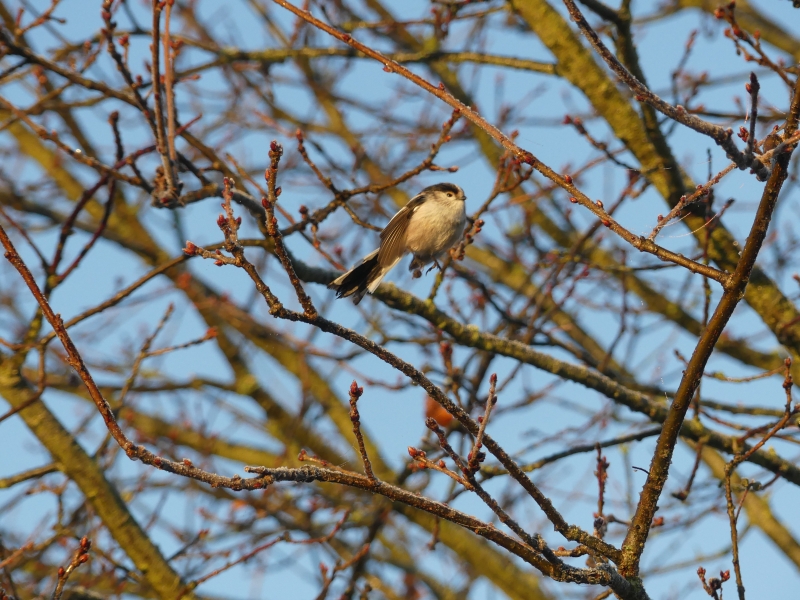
[{"x": 435, "y": 265}]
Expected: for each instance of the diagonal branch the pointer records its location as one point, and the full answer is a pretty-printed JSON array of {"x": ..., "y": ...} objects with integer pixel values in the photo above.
[{"x": 723, "y": 137}]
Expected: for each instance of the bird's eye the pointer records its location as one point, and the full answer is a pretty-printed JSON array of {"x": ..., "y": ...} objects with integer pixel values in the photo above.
[{"x": 449, "y": 194}]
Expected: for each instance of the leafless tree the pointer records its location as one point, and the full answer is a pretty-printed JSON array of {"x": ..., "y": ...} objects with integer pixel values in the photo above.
[{"x": 173, "y": 429}]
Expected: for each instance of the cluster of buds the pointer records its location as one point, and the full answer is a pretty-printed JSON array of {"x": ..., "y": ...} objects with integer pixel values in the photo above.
[
  {"x": 355, "y": 391},
  {"x": 469, "y": 238},
  {"x": 735, "y": 31},
  {"x": 275, "y": 149},
  {"x": 225, "y": 224},
  {"x": 453, "y": 118},
  {"x": 105, "y": 13},
  {"x": 270, "y": 175},
  {"x": 476, "y": 229},
  {"x": 602, "y": 469},
  {"x": 713, "y": 585},
  {"x": 416, "y": 453},
  {"x": 81, "y": 556},
  {"x": 422, "y": 462},
  {"x": 176, "y": 46},
  {"x": 474, "y": 464},
  {"x": 788, "y": 382},
  {"x": 419, "y": 457}
]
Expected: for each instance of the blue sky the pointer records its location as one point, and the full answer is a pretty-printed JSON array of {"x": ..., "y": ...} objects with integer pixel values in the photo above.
[{"x": 394, "y": 417}]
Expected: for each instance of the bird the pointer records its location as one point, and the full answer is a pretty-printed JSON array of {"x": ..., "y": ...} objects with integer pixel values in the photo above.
[{"x": 429, "y": 225}]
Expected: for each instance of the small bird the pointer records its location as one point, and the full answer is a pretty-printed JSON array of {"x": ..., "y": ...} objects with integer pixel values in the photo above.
[{"x": 428, "y": 226}]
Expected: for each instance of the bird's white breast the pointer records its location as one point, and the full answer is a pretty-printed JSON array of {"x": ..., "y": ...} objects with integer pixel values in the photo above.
[{"x": 435, "y": 227}]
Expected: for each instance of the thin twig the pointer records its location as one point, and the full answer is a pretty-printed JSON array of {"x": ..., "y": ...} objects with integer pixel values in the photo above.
[
  {"x": 80, "y": 556},
  {"x": 168, "y": 83},
  {"x": 702, "y": 190},
  {"x": 273, "y": 191},
  {"x": 165, "y": 187},
  {"x": 476, "y": 457},
  {"x": 355, "y": 394},
  {"x": 752, "y": 88}
]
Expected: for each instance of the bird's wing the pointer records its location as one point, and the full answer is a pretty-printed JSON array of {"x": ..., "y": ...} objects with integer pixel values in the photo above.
[{"x": 393, "y": 236}]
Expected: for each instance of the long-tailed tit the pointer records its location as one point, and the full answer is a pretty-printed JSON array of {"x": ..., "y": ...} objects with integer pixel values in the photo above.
[{"x": 427, "y": 227}]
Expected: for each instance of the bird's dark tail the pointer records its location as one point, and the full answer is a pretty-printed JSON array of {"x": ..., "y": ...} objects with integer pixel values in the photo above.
[{"x": 359, "y": 280}]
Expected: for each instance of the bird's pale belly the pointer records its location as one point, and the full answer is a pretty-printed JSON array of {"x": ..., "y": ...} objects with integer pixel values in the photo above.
[{"x": 435, "y": 237}]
